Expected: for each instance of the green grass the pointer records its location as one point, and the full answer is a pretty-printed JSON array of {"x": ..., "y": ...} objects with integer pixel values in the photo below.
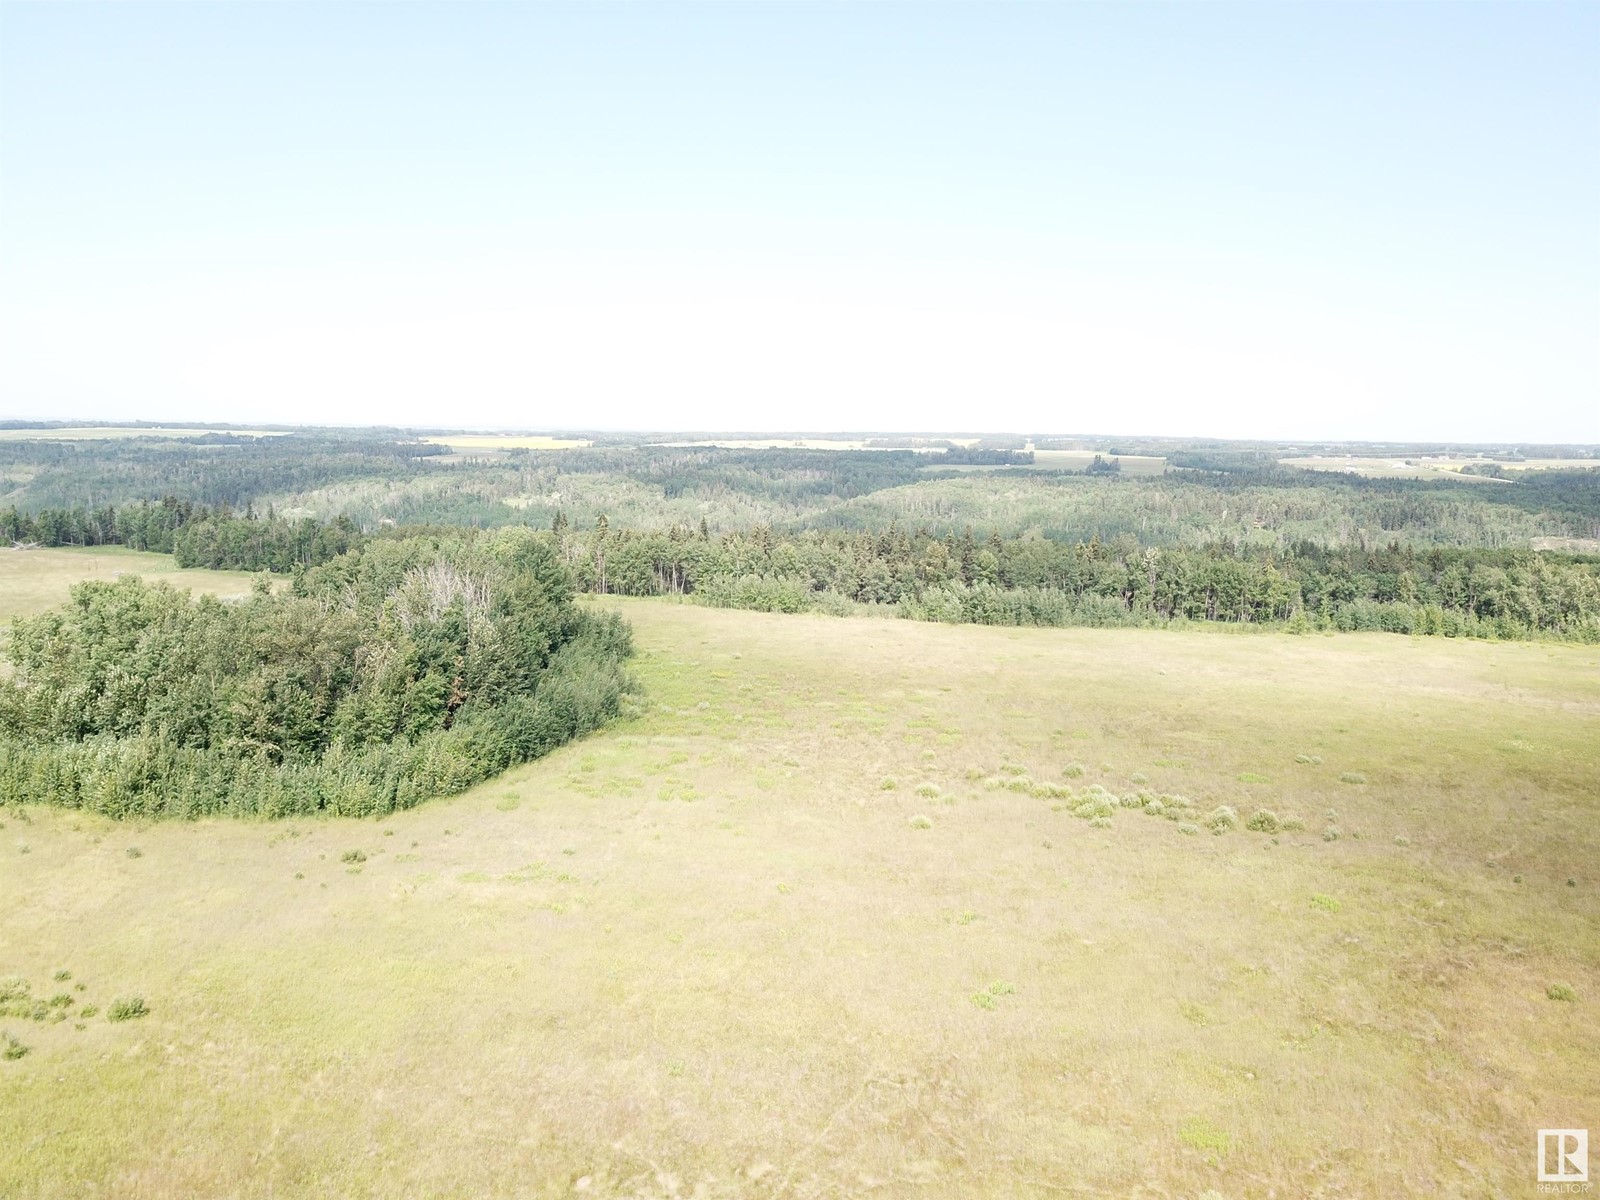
[{"x": 655, "y": 1005}]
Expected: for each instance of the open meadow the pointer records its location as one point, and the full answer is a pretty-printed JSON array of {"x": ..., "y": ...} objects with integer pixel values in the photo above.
[
  {"x": 820, "y": 920},
  {"x": 37, "y": 579}
]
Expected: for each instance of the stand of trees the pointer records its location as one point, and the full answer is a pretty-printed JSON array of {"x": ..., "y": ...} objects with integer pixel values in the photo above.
[
  {"x": 411, "y": 667},
  {"x": 1034, "y": 581}
]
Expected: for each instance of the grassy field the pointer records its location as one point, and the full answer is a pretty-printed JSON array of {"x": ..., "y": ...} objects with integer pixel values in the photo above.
[
  {"x": 97, "y": 433},
  {"x": 1431, "y": 467},
  {"x": 472, "y": 443},
  {"x": 806, "y": 927},
  {"x": 34, "y": 580}
]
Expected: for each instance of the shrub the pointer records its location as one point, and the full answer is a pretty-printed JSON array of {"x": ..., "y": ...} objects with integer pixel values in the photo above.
[
  {"x": 352, "y": 856},
  {"x": 1138, "y": 779},
  {"x": 1154, "y": 807},
  {"x": 1188, "y": 828},
  {"x": 1401, "y": 839},
  {"x": 1252, "y": 777},
  {"x": 984, "y": 1001},
  {"x": 62, "y": 975},
  {"x": 1292, "y": 824},
  {"x": 888, "y": 783},
  {"x": 1100, "y": 822},
  {"x": 1132, "y": 800},
  {"x": 1221, "y": 819},
  {"x": 1052, "y": 791},
  {"x": 928, "y": 791},
  {"x": 920, "y": 822},
  {"x": 1560, "y": 991},
  {"x": 127, "y": 1008},
  {"x": 1308, "y": 759},
  {"x": 1073, "y": 770},
  {"x": 1325, "y": 903},
  {"x": 1001, "y": 988},
  {"x": 1263, "y": 821},
  {"x": 89, "y": 1010},
  {"x": 1332, "y": 834},
  {"x": 11, "y": 1049},
  {"x": 134, "y": 852},
  {"x": 1012, "y": 769},
  {"x": 1352, "y": 777},
  {"x": 1094, "y": 805}
]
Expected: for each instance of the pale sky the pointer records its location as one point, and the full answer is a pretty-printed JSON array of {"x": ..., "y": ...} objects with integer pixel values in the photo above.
[{"x": 1334, "y": 220}]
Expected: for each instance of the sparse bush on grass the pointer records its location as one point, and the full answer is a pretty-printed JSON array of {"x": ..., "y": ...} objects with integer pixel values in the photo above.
[
  {"x": 15, "y": 998},
  {"x": 1199, "y": 1134},
  {"x": 888, "y": 783},
  {"x": 1221, "y": 819},
  {"x": 62, "y": 975},
  {"x": 920, "y": 822},
  {"x": 1138, "y": 779},
  {"x": 1325, "y": 903},
  {"x": 1263, "y": 821},
  {"x": 1560, "y": 991},
  {"x": 1132, "y": 800},
  {"x": 1292, "y": 824},
  {"x": 1012, "y": 769},
  {"x": 1252, "y": 777},
  {"x": 89, "y": 1010},
  {"x": 1401, "y": 839},
  {"x": 352, "y": 856},
  {"x": 127, "y": 1008},
  {"x": 1332, "y": 833},
  {"x": 134, "y": 852},
  {"x": 1019, "y": 783},
  {"x": 1188, "y": 828},
  {"x": 1100, "y": 822},
  {"x": 1154, "y": 807},
  {"x": 984, "y": 1001},
  {"x": 61, "y": 1000},
  {"x": 1352, "y": 777},
  {"x": 1073, "y": 770},
  {"x": 11, "y": 1049},
  {"x": 1308, "y": 759},
  {"x": 1001, "y": 988},
  {"x": 928, "y": 791}
]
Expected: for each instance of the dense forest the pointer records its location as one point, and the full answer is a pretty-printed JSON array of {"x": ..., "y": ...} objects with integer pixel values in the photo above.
[{"x": 403, "y": 669}]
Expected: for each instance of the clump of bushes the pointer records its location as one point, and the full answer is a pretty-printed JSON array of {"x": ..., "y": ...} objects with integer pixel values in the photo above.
[
  {"x": 1332, "y": 833},
  {"x": 1188, "y": 828},
  {"x": 1562, "y": 992},
  {"x": 1292, "y": 824},
  {"x": 127, "y": 1008},
  {"x": 406, "y": 669},
  {"x": 11, "y": 1049},
  {"x": 353, "y": 856},
  {"x": 1073, "y": 770},
  {"x": 888, "y": 783},
  {"x": 1263, "y": 821},
  {"x": 928, "y": 791},
  {"x": 1352, "y": 777},
  {"x": 1221, "y": 819},
  {"x": 1308, "y": 759},
  {"x": 920, "y": 822}
]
